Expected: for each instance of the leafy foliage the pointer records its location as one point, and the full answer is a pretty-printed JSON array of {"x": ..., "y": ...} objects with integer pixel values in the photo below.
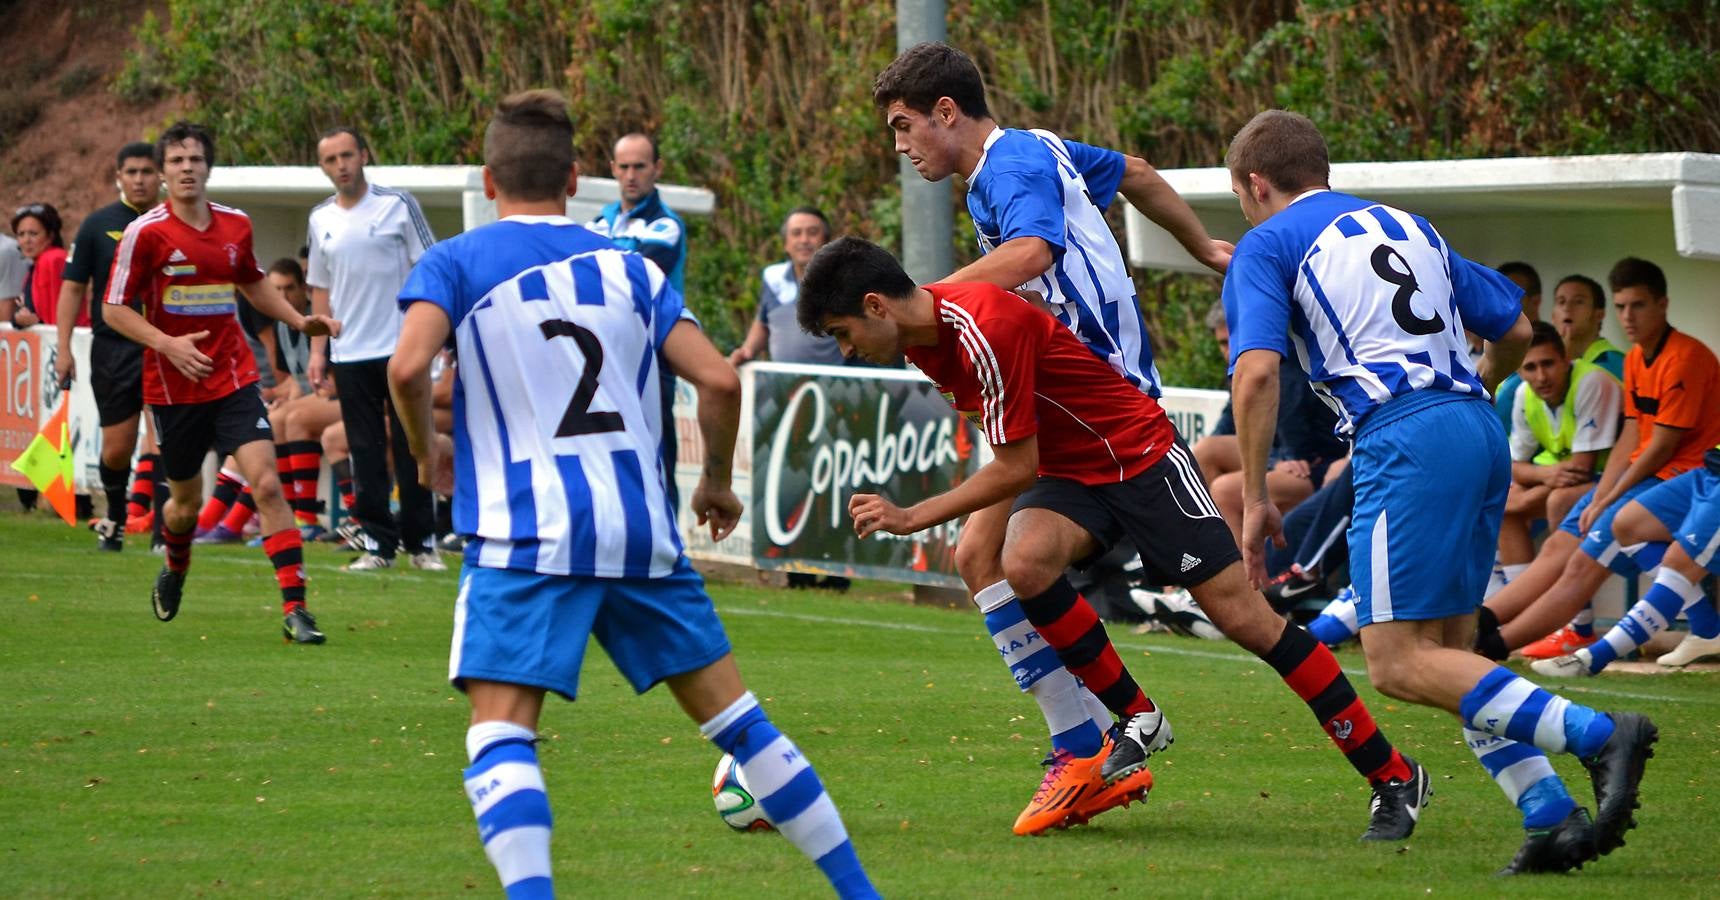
[{"x": 769, "y": 104}]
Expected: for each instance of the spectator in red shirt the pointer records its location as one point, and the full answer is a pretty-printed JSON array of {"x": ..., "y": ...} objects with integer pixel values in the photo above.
[{"x": 37, "y": 226}]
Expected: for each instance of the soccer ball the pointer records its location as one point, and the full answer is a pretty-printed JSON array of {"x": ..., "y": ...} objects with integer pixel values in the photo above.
[{"x": 735, "y": 803}]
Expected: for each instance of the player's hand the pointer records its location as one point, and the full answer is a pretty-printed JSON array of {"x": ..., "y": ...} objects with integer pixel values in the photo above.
[
  {"x": 65, "y": 366},
  {"x": 1035, "y": 298},
  {"x": 740, "y": 355},
  {"x": 1587, "y": 519},
  {"x": 1295, "y": 468},
  {"x": 319, "y": 326},
  {"x": 718, "y": 507},
  {"x": 872, "y": 513},
  {"x": 317, "y": 371},
  {"x": 427, "y": 460},
  {"x": 24, "y": 318},
  {"x": 181, "y": 350},
  {"x": 1217, "y": 255},
  {"x": 1260, "y": 521}
]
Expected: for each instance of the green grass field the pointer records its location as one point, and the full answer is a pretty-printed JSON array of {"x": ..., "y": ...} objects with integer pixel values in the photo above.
[{"x": 205, "y": 757}]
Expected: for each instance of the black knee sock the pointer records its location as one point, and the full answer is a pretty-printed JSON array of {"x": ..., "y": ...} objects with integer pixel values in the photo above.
[{"x": 114, "y": 486}]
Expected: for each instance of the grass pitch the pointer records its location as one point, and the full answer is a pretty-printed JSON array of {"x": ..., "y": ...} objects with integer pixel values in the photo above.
[{"x": 204, "y": 757}]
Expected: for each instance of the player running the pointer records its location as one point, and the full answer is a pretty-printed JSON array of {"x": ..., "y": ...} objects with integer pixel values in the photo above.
[
  {"x": 571, "y": 534},
  {"x": 1093, "y": 461},
  {"x": 1374, "y": 305},
  {"x": 183, "y": 261}
]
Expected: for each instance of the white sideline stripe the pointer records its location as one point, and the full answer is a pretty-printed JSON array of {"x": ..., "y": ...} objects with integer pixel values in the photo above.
[{"x": 1359, "y": 674}]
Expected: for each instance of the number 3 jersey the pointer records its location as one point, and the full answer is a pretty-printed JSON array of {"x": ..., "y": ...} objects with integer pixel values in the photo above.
[
  {"x": 1371, "y": 301},
  {"x": 557, "y": 413}
]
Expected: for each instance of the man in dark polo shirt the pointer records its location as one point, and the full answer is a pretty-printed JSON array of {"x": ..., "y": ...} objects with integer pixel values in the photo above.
[{"x": 116, "y": 364}]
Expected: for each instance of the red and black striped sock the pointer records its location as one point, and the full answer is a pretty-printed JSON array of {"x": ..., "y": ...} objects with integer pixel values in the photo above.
[
  {"x": 342, "y": 472},
  {"x": 142, "y": 486},
  {"x": 1068, "y": 623},
  {"x": 306, "y": 457},
  {"x": 1312, "y": 672},
  {"x": 241, "y": 512},
  {"x": 227, "y": 487},
  {"x": 284, "y": 471},
  {"x": 287, "y": 552},
  {"x": 178, "y": 548}
]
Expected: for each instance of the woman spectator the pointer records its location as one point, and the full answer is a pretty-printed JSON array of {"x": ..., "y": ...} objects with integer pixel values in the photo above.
[{"x": 37, "y": 227}]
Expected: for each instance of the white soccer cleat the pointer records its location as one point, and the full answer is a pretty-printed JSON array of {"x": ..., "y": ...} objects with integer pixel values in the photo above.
[
  {"x": 1178, "y": 611},
  {"x": 369, "y": 562},
  {"x": 429, "y": 561},
  {"x": 1569, "y": 666},
  {"x": 1691, "y": 649}
]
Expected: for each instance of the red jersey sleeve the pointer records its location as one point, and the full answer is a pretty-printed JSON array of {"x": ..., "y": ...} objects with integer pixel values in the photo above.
[
  {"x": 1001, "y": 349},
  {"x": 130, "y": 264},
  {"x": 246, "y": 270}
]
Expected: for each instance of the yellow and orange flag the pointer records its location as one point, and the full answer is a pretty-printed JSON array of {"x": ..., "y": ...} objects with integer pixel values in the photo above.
[{"x": 47, "y": 462}]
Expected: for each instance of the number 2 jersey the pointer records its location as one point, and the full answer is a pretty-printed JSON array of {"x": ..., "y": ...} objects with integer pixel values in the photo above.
[
  {"x": 557, "y": 405},
  {"x": 1370, "y": 300},
  {"x": 187, "y": 281},
  {"x": 1016, "y": 372}
]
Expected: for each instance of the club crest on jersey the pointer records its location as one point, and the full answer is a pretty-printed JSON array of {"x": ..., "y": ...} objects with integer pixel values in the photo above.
[{"x": 232, "y": 255}]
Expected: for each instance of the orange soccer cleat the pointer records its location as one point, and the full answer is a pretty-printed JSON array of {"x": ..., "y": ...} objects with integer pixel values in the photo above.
[
  {"x": 1563, "y": 642},
  {"x": 1073, "y": 792}
]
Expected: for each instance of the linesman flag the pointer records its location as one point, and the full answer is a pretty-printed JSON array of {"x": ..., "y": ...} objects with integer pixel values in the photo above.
[{"x": 47, "y": 462}]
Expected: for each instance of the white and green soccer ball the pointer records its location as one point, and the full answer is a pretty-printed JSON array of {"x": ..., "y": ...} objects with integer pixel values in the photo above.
[{"x": 735, "y": 803}]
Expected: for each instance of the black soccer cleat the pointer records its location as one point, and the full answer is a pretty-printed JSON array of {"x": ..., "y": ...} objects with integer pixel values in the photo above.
[
  {"x": 1140, "y": 737},
  {"x": 1397, "y": 805},
  {"x": 169, "y": 587},
  {"x": 1616, "y": 772},
  {"x": 110, "y": 535},
  {"x": 1561, "y": 848},
  {"x": 300, "y": 627}
]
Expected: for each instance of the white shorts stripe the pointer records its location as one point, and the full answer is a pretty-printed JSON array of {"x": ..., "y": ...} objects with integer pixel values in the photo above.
[
  {"x": 459, "y": 625},
  {"x": 1192, "y": 481},
  {"x": 1380, "y": 603},
  {"x": 1708, "y": 550}
]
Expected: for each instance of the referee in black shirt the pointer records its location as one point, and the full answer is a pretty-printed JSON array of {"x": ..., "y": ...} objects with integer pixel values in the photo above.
[{"x": 116, "y": 364}]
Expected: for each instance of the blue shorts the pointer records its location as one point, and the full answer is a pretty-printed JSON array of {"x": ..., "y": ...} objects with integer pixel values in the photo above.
[
  {"x": 531, "y": 629},
  {"x": 1599, "y": 543},
  {"x": 1689, "y": 507},
  {"x": 1432, "y": 472}
]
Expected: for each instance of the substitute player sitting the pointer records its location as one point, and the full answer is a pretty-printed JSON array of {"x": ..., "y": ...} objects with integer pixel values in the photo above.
[
  {"x": 185, "y": 260},
  {"x": 1093, "y": 460},
  {"x": 560, "y": 336}
]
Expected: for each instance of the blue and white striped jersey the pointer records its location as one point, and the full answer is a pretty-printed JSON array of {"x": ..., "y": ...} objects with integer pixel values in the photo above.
[
  {"x": 1369, "y": 299},
  {"x": 1035, "y": 184},
  {"x": 557, "y": 410}
]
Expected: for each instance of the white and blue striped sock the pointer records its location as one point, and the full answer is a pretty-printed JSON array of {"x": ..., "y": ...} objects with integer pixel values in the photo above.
[
  {"x": 1038, "y": 671},
  {"x": 506, "y": 788},
  {"x": 1670, "y": 593},
  {"x": 1526, "y": 777},
  {"x": 1507, "y": 705},
  {"x": 789, "y": 791},
  {"x": 1337, "y": 622}
]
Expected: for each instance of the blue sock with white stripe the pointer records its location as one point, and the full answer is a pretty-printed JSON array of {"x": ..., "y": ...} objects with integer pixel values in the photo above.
[
  {"x": 1526, "y": 777},
  {"x": 1503, "y": 704},
  {"x": 505, "y": 786},
  {"x": 1670, "y": 593},
  {"x": 790, "y": 792},
  {"x": 1337, "y": 622},
  {"x": 1039, "y": 672},
  {"x": 1704, "y": 620}
]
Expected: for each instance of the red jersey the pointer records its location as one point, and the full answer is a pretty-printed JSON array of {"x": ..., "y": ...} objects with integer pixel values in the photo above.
[
  {"x": 1017, "y": 372},
  {"x": 186, "y": 281}
]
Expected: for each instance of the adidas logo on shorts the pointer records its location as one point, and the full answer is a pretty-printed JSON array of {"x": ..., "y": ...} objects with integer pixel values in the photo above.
[
  {"x": 263, "y": 424},
  {"x": 1189, "y": 561}
]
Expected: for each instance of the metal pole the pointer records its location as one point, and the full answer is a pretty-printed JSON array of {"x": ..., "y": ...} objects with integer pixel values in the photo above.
[{"x": 928, "y": 224}]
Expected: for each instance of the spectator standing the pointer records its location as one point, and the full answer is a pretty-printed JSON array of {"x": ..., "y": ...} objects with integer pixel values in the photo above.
[
  {"x": 364, "y": 241},
  {"x": 37, "y": 226},
  {"x": 774, "y": 330},
  {"x": 640, "y": 221}
]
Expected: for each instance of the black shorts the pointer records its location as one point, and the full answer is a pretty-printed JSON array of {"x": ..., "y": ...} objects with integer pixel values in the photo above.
[
  {"x": 116, "y": 378},
  {"x": 188, "y": 431},
  {"x": 1166, "y": 511}
]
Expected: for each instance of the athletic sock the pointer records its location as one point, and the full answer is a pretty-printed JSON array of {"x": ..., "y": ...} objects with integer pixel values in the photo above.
[
  {"x": 1067, "y": 622},
  {"x": 178, "y": 547},
  {"x": 1506, "y": 705},
  {"x": 342, "y": 472},
  {"x": 114, "y": 486},
  {"x": 1583, "y": 623},
  {"x": 284, "y": 473},
  {"x": 506, "y": 788},
  {"x": 306, "y": 457},
  {"x": 790, "y": 793},
  {"x": 240, "y": 512},
  {"x": 1670, "y": 593},
  {"x": 1526, "y": 777},
  {"x": 1513, "y": 572},
  {"x": 1337, "y": 622},
  {"x": 1704, "y": 620},
  {"x": 287, "y": 551},
  {"x": 1037, "y": 671},
  {"x": 1646, "y": 555},
  {"x": 227, "y": 488},
  {"x": 1312, "y": 672},
  {"x": 143, "y": 486}
]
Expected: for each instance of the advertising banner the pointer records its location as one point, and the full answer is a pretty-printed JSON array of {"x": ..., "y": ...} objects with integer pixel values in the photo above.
[{"x": 31, "y": 396}]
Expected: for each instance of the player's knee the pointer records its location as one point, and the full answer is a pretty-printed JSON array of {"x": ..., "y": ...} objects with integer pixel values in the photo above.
[
  {"x": 1030, "y": 572},
  {"x": 977, "y": 566},
  {"x": 1635, "y": 524},
  {"x": 1391, "y": 675},
  {"x": 267, "y": 490}
]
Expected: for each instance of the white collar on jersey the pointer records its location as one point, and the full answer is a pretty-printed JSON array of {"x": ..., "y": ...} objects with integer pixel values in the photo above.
[
  {"x": 996, "y": 132},
  {"x": 539, "y": 220},
  {"x": 1308, "y": 193}
]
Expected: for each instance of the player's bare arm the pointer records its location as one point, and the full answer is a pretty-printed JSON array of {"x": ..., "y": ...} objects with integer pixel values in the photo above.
[
  {"x": 180, "y": 350},
  {"x": 1254, "y": 402},
  {"x": 423, "y": 332},
  {"x": 1662, "y": 444},
  {"x": 71, "y": 300},
  {"x": 1502, "y": 357},
  {"x": 692, "y": 356},
  {"x": 1012, "y": 469},
  {"x": 265, "y": 299},
  {"x": 317, "y": 371},
  {"x": 1148, "y": 192},
  {"x": 1014, "y": 263}
]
